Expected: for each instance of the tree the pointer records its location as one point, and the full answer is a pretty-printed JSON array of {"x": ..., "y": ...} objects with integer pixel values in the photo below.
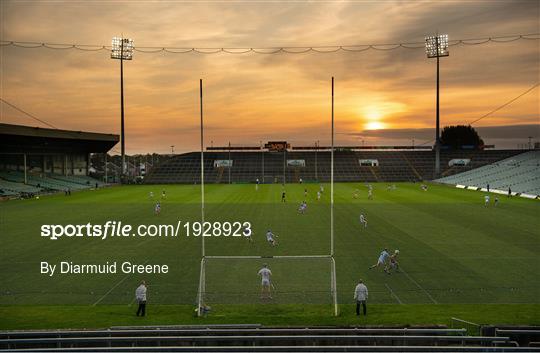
[{"x": 460, "y": 135}]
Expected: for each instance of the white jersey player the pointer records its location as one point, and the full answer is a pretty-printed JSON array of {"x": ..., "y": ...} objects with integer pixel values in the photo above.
[
  {"x": 318, "y": 195},
  {"x": 321, "y": 188},
  {"x": 486, "y": 200},
  {"x": 266, "y": 284},
  {"x": 381, "y": 261},
  {"x": 270, "y": 238},
  {"x": 157, "y": 208},
  {"x": 248, "y": 234},
  {"x": 363, "y": 220},
  {"x": 302, "y": 208},
  {"x": 370, "y": 194},
  {"x": 393, "y": 264}
]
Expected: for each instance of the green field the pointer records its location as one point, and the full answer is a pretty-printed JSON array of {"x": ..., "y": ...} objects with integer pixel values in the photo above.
[{"x": 454, "y": 252}]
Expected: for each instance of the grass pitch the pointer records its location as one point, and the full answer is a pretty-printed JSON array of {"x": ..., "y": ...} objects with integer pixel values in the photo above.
[{"x": 454, "y": 251}]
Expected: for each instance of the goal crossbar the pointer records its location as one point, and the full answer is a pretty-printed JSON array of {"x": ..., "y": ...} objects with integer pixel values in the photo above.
[{"x": 268, "y": 257}]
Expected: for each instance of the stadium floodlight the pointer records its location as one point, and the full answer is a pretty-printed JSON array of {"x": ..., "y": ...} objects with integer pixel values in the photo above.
[
  {"x": 122, "y": 49},
  {"x": 436, "y": 47}
]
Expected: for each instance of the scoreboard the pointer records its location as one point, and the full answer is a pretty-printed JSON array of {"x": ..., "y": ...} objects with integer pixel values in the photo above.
[{"x": 277, "y": 146}]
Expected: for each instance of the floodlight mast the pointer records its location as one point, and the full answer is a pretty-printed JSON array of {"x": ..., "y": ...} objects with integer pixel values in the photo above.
[
  {"x": 436, "y": 47},
  {"x": 122, "y": 49}
]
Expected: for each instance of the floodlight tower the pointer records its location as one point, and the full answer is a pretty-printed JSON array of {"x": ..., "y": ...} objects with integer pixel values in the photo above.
[
  {"x": 122, "y": 49},
  {"x": 436, "y": 47}
]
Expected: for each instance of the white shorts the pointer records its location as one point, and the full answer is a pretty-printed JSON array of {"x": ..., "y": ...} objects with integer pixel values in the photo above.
[
  {"x": 380, "y": 261},
  {"x": 265, "y": 282}
]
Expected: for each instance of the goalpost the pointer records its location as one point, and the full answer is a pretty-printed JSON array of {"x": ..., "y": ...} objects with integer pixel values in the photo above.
[{"x": 309, "y": 261}]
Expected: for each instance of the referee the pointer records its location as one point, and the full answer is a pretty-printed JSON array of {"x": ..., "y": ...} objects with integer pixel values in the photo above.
[{"x": 140, "y": 295}]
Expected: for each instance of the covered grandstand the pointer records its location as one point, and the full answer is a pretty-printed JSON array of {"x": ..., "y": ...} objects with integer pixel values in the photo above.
[
  {"x": 292, "y": 164},
  {"x": 520, "y": 174},
  {"x": 36, "y": 160}
]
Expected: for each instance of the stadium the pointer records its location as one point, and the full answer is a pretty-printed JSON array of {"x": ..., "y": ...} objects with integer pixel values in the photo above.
[{"x": 266, "y": 231}]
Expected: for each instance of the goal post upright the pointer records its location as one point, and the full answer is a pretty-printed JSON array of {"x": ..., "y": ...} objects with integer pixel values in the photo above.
[
  {"x": 333, "y": 284},
  {"x": 202, "y": 160},
  {"x": 202, "y": 280},
  {"x": 332, "y": 179}
]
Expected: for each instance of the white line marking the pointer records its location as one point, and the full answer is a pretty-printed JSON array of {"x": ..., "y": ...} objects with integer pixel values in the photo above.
[
  {"x": 393, "y": 294},
  {"x": 113, "y": 287},
  {"x": 419, "y": 286}
]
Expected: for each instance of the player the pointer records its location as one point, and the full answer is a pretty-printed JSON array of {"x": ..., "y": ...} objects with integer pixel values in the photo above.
[
  {"x": 363, "y": 220},
  {"x": 318, "y": 195},
  {"x": 302, "y": 208},
  {"x": 321, "y": 188},
  {"x": 383, "y": 257},
  {"x": 370, "y": 194},
  {"x": 266, "y": 284},
  {"x": 283, "y": 196},
  {"x": 270, "y": 238},
  {"x": 151, "y": 194},
  {"x": 163, "y": 194},
  {"x": 248, "y": 234},
  {"x": 257, "y": 184},
  {"x": 157, "y": 209},
  {"x": 305, "y": 193},
  {"x": 355, "y": 194},
  {"x": 393, "y": 264},
  {"x": 496, "y": 201},
  {"x": 424, "y": 187},
  {"x": 486, "y": 201},
  {"x": 300, "y": 181}
]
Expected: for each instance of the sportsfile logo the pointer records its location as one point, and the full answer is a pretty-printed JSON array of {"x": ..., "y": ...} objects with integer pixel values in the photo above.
[{"x": 118, "y": 229}]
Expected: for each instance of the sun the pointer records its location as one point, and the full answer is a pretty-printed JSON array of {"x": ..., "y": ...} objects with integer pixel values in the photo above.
[
  {"x": 374, "y": 125},
  {"x": 373, "y": 118}
]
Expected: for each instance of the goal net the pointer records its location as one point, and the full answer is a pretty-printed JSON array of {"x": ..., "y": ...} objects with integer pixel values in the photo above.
[{"x": 294, "y": 280}]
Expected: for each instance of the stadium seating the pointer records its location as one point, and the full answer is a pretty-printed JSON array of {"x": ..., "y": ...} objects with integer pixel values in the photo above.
[
  {"x": 255, "y": 338},
  {"x": 520, "y": 173},
  {"x": 248, "y": 166},
  {"x": 12, "y": 183},
  {"x": 9, "y": 188}
]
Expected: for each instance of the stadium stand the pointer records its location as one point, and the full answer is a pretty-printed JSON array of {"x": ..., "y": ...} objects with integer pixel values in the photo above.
[
  {"x": 37, "y": 160},
  {"x": 520, "y": 173},
  {"x": 255, "y": 338},
  {"x": 248, "y": 166}
]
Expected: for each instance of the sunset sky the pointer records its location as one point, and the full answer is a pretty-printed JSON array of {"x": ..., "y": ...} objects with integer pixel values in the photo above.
[{"x": 382, "y": 97}]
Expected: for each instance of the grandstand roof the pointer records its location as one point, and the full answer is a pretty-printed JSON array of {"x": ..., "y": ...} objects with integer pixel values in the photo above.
[{"x": 28, "y": 139}]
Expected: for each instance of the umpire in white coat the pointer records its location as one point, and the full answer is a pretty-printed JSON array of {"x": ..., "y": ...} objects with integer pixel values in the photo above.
[
  {"x": 361, "y": 295},
  {"x": 140, "y": 295}
]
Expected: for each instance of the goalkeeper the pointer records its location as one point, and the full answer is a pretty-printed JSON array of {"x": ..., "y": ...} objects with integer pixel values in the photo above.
[{"x": 265, "y": 274}]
